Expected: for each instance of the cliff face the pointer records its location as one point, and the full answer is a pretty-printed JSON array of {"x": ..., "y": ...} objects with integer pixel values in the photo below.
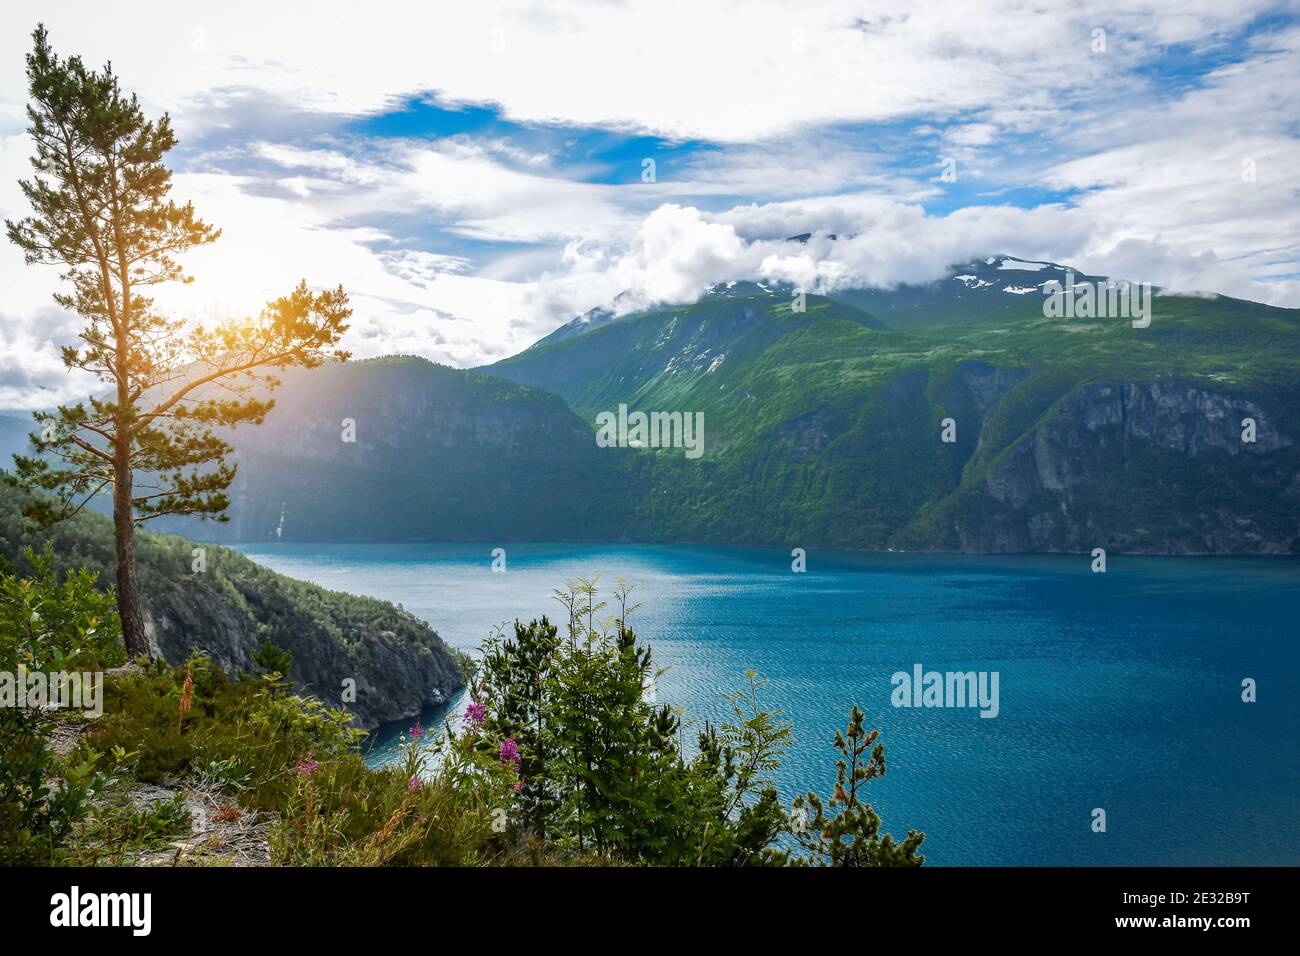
[
  {"x": 340, "y": 643},
  {"x": 1157, "y": 467},
  {"x": 366, "y": 656},
  {"x": 1045, "y": 459},
  {"x": 430, "y": 453}
]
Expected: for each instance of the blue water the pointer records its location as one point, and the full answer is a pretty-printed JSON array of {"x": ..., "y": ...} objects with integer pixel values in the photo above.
[{"x": 1119, "y": 690}]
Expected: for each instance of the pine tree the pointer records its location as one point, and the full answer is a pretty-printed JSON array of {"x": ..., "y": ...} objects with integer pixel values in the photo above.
[
  {"x": 601, "y": 766},
  {"x": 851, "y": 837},
  {"x": 101, "y": 209}
]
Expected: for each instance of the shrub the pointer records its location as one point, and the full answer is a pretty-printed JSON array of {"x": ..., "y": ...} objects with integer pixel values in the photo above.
[
  {"x": 602, "y": 769},
  {"x": 272, "y": 658},
  {"x": 248, "y": 731},
  {"x": 118, "y": 830},
  {"x": 851, "y": 835},
  {"x": 46, "y": 625},
  {"x": 450, "y": 813}
]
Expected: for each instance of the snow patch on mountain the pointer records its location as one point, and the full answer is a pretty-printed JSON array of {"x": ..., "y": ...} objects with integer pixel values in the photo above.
[{"x": 1021, "y": 265}]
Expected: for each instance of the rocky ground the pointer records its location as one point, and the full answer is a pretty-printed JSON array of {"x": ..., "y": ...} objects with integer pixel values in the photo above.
[{"x": 222, "y": 833}]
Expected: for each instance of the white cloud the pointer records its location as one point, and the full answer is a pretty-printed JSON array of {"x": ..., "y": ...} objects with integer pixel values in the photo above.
[
  {"x": 709, "y": 71},
  {"x": 468, "y": 248},
  {"x": 973, "y": 134},
  {"x": 31, "y": 372},
  {"x": 1200, "y": 193},
  {"x": 886, "y": 243}
]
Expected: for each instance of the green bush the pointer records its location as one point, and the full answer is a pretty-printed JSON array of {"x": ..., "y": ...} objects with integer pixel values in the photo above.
[
  {"x": 249, "y": 731},
  {"x": 46, "y": 624},
  {"x": 342, "y": 813},
  {"x": 602, "y": 769},
  {"x": 272, "y": 658},
  {"x": 298, "y": 760},
  {"x": 118, "y": 830},
  {"x": 52, "y": 624}
]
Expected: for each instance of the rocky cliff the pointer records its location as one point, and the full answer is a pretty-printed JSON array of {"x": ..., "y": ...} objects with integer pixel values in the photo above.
[
  {"x": 1156, "y": 467},
  {"x": 404, "y": 449},
  {"x": 372, "y": 658},
  {"x": 375, "y": 660}
]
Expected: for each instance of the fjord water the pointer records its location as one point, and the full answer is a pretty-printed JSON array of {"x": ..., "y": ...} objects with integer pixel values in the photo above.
[{"x": 1119, "y": 691}]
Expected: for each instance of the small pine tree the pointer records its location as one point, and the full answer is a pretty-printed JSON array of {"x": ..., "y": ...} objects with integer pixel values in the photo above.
[
  {"x": 273, "y": 658},
  {"x": 601, "y": 766},
  {"x": 852, "y": 837}
]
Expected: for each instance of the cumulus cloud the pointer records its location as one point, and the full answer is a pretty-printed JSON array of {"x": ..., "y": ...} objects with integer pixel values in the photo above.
[
  {"x": 1199, "y": 193},
  {"x": 711, "y": 72},
  {"x": 680, "y": 251},
  {"x": 865, "y": 239},
  {"x": 31, "y": 372},
  {"x": 468, "y": 247}
]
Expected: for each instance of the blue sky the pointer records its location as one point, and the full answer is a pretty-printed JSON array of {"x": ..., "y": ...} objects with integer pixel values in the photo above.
[{"x": 474, "y": 177}]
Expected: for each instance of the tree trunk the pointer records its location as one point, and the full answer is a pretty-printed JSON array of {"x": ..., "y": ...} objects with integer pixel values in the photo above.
[{"x": 128, "y": 591}]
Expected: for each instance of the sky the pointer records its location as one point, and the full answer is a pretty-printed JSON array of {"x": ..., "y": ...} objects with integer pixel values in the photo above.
[{"x": 475, "y": 175}]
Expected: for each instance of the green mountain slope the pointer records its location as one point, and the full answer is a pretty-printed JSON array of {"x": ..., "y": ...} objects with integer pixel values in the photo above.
[
  {"x": 439, "y": 453},
  {"x": 1070, "y": 433},
  {"x": 700, "y": 357},
  {"x": 822, "y": 428},
  {"x": 399, "y": 665},
  {"x": 14, "y": 429}
]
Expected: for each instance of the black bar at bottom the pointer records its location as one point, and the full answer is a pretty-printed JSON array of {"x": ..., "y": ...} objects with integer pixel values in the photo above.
[{"x": 334, "y": 905}]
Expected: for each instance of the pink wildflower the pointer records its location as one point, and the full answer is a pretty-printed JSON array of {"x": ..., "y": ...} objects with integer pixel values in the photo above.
[{"x": 509, "y": 751}]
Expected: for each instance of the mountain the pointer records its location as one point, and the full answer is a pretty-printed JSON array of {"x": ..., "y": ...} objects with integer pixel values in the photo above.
[
  {"x": 14, "y": 429},
  {"x": 591, "y": 319},
  {"x": 822, "y": 427},
  {"x": 623, "y": 304},
  {"x": 399, "y": 665},
  {"x": 439, "y": 453},
  {"x": 983, "y": 289},
  {"x": 989, "y": 288},
  {"x": 701, "y": 357}
]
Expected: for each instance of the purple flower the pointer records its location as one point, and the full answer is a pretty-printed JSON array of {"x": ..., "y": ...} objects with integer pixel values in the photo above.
[
  {"x": 509, "y": 751},
  {"x": 417, "y": 731},
  {"x": 476, "y": 713},
  {"x": 415, "y": 783},
  {"x": 307, "y": 766}
]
